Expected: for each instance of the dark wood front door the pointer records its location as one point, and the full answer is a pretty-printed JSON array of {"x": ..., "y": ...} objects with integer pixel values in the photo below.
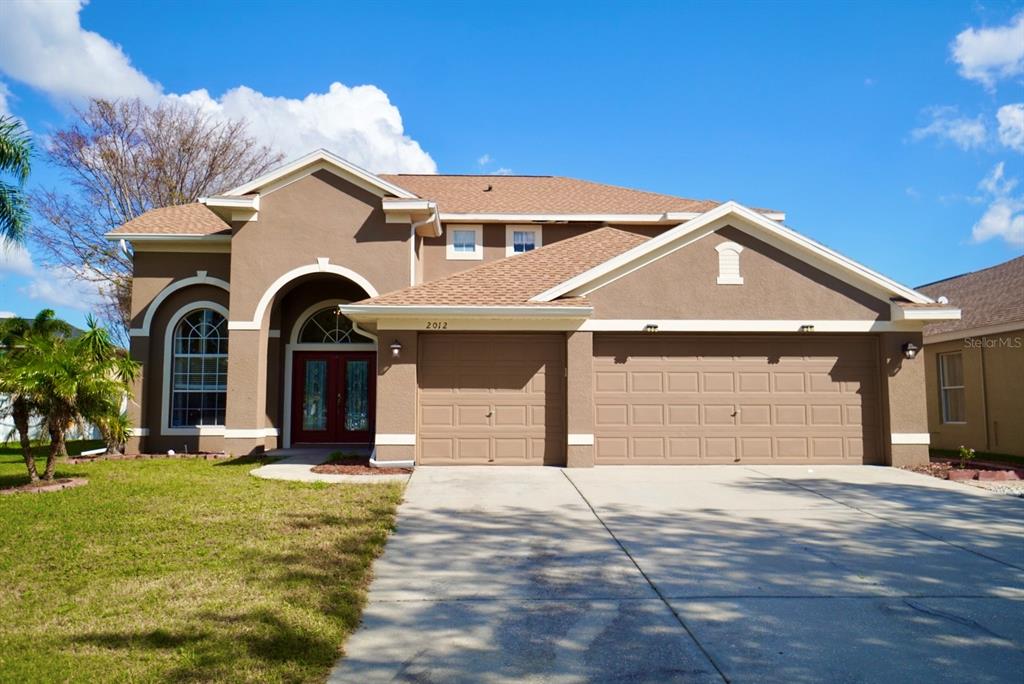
[{"x": 334, "y": 394}]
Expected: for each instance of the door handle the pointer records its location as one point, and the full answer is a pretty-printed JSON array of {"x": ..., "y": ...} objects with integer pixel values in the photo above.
[
  {"x": 339, "y": 401},
  {"x": 490, "y": 412}
]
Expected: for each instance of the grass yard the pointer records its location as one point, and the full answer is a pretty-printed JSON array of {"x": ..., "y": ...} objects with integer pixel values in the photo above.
[{"x": 182, "y": 570}]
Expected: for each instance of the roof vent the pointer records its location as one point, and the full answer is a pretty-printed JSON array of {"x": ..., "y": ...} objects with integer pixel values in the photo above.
[
  {"x": 943, "y": 300},
  {"x": 488, "y": 188}
]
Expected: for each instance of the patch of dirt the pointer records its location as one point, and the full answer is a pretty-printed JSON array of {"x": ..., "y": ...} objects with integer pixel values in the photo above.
[
  {"x": 44, "y": 486},
  {"x": 356, "y": 465},
  {"x": 935, "y": 469}
]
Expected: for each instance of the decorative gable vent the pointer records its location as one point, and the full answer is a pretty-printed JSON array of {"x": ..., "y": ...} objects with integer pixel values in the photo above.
[{"x": 729, "y": 264}]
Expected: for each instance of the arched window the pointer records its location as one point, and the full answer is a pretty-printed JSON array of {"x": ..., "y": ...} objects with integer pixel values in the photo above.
[
  {"x": 199, "y": 369},
  {"x": 329, "y": 326},
  {"x": 729, "y": 263}
]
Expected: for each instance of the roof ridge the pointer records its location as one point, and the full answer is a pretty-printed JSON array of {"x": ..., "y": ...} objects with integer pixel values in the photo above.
[
  {"x": 970, "y": 273},
  {"x": 632, "y": 189}
]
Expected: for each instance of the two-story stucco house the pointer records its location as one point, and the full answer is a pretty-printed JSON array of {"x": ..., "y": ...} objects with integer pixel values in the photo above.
[{"x": 514, "y": 320}]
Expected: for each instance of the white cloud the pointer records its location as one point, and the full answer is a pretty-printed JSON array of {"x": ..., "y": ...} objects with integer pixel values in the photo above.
[
  {"x": 987, "y": 55},
  {"x": 14, "y": 259},
  {"x": 947, "y": 124},
  {"x": 358, "y": 123},
  {"x": 1011, "y": 126},
  {"x": 503, "y": 171},
  {"x": 484, "y": 160},
  {"x": 1004, "y": 217},
  {"x": 56, "y": 286},
  {"x": 44, "y": 46},
  {"x": 8, "y": 314},
  {"x": 5, "y": 108}
]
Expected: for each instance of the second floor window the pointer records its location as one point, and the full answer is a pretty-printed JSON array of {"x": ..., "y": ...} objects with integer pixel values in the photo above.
[
  {"x": 524, "y": 241},
  {"x": 464, "y": 241}
]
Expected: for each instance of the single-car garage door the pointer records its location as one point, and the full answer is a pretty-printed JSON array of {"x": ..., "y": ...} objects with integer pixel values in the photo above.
[
  {"x": 491, "y": 398},
  {"x": 665, "y": 398}
]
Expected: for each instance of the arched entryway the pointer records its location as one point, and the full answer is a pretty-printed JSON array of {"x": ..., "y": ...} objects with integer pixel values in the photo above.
[{"x": 321, "y": 388}]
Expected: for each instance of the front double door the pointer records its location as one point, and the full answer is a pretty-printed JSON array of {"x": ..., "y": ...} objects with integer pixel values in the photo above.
[{"x": 333, "y": 396}]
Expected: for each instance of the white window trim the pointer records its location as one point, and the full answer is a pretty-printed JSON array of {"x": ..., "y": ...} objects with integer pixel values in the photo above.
[
  {"x": 165, "y": 389},
  {"x": 510, "y": 231},
  {"x": 476, "y": 255},
  {"x": 725, "y": 250},
  {"x": 943, "y": 387}
]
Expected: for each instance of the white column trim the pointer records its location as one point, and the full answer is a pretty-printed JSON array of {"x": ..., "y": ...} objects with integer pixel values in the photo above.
[
  {"x": 911, "y": 438},
  {"x": 581, "y": 439},
  {"x": 394, "y": 439},
  {"x": 249, "y": 433},
  {"x": 200, "y": 278}
]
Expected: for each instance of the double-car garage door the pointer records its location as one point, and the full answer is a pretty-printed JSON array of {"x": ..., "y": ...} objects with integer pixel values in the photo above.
[
  {"x": 667, "y": 398},
  {"x": 658, "y": 398}
]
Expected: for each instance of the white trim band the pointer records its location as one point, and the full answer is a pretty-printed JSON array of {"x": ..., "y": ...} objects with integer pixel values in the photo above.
[
  {"x": 249, "y": 433},
  {"x": 740, "y": 325},
  {"x": 394, "y": 439},
  {"x": 140, "y": 432},
  {"x": 581, "y": 439},
  {"x": 911, "y": 438}
]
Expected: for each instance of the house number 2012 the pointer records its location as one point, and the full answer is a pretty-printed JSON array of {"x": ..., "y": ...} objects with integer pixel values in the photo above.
[{"x": 437, "y": 325}]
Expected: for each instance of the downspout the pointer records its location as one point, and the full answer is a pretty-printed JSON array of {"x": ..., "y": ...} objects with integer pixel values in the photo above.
[
  {"x": 984, "y": 401},
  {"x": 433, "y": 218}
]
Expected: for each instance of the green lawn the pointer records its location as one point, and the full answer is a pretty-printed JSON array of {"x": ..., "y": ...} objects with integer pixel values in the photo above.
[{"x": 182, "y": 570}]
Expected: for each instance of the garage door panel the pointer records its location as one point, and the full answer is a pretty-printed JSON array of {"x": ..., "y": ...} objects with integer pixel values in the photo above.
[
  {"x": 491, "y": 398},
  {"x": 752, "y": 399}
]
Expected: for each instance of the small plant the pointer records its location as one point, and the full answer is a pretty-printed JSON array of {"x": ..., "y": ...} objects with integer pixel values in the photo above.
[{"x": 966, "y": 455}]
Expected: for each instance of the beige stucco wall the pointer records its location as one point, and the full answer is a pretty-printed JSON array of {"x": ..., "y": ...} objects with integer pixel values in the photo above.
[
  {"x": 579, "y": 364},
  {"x": 993, "y": 394},
  {"x": 154, "y": 271},
  {"x": 904, "y": 410},
  {"x": 317, "y": 216},
  {"x": 436, "y": 264},
  {"x": 776, "y": 286},
  {"x": 396, "y": 393}
]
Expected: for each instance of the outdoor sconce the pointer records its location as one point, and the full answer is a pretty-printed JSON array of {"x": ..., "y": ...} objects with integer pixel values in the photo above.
[
  {"x": 396, "y": 349},
  {"x": 651, "y": 328},
  {"x": 910, "y": 350},
  {"x": 806, "y": 328}
]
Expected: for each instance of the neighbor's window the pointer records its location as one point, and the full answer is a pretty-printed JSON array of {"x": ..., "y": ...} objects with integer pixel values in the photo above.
[
  {"x": 199, "y": 370},
  {"x": 951, "y": 388},
  {"x": 464, "y": 241},
  {"x": 524, "y": 240}
]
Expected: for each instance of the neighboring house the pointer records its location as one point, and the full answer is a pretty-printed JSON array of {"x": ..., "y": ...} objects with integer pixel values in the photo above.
[
  {"x": 975, "y": 365},
  {"x": 514, "y": 320}
]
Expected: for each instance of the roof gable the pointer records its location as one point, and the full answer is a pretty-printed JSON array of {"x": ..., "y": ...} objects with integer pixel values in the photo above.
[
  {"x": 745, "y": 219},
  {"x": 315, "y": 161}
]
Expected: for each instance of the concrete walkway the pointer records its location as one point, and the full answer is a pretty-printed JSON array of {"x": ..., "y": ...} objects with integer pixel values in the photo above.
[
  {"x": 705, "y": 574},
  {"x": 297, "y": 465}
]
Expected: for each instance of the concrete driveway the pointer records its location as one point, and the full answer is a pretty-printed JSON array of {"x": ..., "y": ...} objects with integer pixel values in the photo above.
[{"x": 695, "y": 574}]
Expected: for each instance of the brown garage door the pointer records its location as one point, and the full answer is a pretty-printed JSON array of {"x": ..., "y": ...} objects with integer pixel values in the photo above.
[
  {"x": 667, "y": 398},
  {"x": 491, "y": 398}
]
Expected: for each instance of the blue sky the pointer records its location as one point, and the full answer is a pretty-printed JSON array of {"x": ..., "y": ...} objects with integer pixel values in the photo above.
[{"x": 873, "y": 125}]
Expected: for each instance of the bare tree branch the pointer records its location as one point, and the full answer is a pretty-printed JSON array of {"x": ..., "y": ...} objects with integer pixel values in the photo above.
[{"x": 122, "y": 158}]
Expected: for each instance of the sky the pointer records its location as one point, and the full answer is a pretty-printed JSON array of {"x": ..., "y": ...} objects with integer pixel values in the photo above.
[{"x": 891, "y": 132}]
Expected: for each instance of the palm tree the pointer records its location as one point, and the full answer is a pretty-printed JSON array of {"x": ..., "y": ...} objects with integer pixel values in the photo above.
[
  {"x": 74, "y": 380},
  {"x": 15, "y": 160},
  {"x": 15, "y": 334}
]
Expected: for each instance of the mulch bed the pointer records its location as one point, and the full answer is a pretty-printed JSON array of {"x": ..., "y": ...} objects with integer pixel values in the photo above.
[
  {"x": 950, "y": 470},
  {"x": 356, "y": 465},
  {"x": 47, "y": 486}
]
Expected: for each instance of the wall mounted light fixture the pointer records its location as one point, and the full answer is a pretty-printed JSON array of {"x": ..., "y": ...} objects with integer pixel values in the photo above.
[
  {"x": 396, "y": 349},
  {"x": 910, "y": 350}
]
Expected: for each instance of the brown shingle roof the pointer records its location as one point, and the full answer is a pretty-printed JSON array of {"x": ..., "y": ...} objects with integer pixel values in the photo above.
[
  {"x": 992, "y": 296},
  {"x": 514, "y": 280},
  {"x": 182, "y": 219},
  {"x": 539, "y": 195}
]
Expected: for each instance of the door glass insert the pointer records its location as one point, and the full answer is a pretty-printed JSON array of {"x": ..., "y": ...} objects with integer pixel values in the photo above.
[
  {"x": 357, "y": 396},
  {"x": 314, "y": 399}
]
